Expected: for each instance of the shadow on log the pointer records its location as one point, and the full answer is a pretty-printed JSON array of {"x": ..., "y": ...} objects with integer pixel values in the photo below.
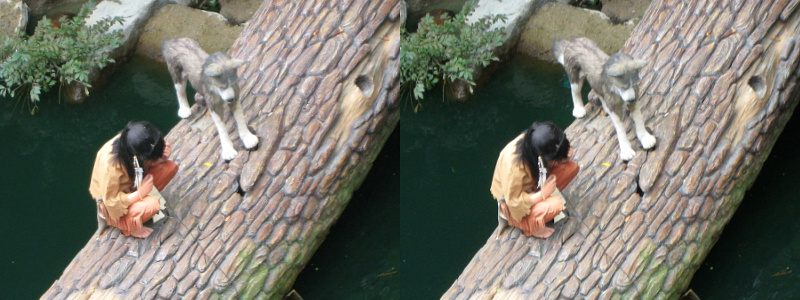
[
  {"x": 721, "y": 82},
  {"x": 321, "y": 91}
]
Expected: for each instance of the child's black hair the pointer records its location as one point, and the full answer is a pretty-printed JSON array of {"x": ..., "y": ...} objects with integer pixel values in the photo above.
[
  {"x": 543, "y": 139},
  {"x": 140, "y": 139}
]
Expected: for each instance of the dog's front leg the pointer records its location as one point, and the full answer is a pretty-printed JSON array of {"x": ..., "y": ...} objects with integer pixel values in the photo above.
[
  {"x": 228, "y": 152},
  {"x": 249, "y": 139},
  {"x": 626, "y": 152},
  {"x": 647, "y": 139}
]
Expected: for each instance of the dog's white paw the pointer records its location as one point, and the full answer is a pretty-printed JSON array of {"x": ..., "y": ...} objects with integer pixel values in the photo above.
[
  {"x": 579, "y": 112},
  {"x": 626, "y": 153},
  {"x": 250, "y": 141},
  {"x": 184, "y": 112},
  {"x": 648, "y": 141},
  {"x": 228, "y": 154}
]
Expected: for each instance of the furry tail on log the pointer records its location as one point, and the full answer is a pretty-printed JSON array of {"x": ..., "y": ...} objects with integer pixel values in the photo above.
[{"x": 558, "y": 50}]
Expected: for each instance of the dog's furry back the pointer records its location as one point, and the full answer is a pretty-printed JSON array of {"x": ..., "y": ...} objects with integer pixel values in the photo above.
[
  {"x": 581, "y": 55},
  {"x": 184, "y": 58}
]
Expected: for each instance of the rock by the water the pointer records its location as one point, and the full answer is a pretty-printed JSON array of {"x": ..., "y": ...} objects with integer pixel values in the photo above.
[
  {"x": 560, "y": 21},
  {"x": 134, "y": 14},
  {"x": 37, "y": 8},
  {"x": 516, "y": 12},
  {"x": 416, "y": 6},
  {"x": 13, "y": 17},
  {"x": 209, "y": 29},
  {"x": 621, "y": 11},
  {"x": 238, "y": 11}
]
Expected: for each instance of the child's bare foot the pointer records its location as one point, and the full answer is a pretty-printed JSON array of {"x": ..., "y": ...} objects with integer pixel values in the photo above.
[
  {"x": 543, "y": 233},
  {"x": 142, "y": 233}
]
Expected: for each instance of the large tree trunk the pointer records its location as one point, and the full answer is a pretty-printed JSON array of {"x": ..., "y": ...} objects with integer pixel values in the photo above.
[
  {"x": 719, "y": 87},
  {"x": 320, "y": 89}
]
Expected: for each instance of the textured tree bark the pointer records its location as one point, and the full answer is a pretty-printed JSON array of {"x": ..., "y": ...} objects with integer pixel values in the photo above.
[
  {"x": 721, "y": 82},
  {"x": 320, "y": 89}
]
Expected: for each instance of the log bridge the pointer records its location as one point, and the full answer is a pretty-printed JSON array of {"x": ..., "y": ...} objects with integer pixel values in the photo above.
[
  {"x": 320, "y": 89},
  {"x": 721, "y": 82}
]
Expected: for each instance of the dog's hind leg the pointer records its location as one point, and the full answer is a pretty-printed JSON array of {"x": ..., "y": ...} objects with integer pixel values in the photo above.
[
  {"x": 199, "y": 99},
  {"x": 184, "y": 111},
  {"x": 576, "y": 79},
  {"x": 249, "y": 139},
  {"x": 647, "y": 139},
  {"x": 228, "y": 152},
  {"x": 578, "y": 111}
]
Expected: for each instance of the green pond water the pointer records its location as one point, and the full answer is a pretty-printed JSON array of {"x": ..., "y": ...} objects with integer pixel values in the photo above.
[
  {"x": 422, "y": 213},
  {"x": 46, "y": 165}
]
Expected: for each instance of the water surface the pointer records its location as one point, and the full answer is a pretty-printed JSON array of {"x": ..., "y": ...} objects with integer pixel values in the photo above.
[
  {"x": 46, "y": 166},
  {"x": 758, "y": 254}
]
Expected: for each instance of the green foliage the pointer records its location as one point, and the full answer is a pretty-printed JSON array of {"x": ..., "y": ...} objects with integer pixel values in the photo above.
[
  {"x": 589, "y": 4},
  {"x": 210, "y": 5},
  {"x": 449, "y": 51},
  {"x": 56, "y": 55}
]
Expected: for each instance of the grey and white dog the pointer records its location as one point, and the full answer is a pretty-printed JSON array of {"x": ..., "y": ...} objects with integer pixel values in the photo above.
[
  {"x": 214, "y": 77},
  {"x": 613, "y": 79}
]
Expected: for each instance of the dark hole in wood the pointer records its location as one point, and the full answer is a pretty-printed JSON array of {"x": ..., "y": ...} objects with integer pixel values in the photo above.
[
  {"x": 758, "y": 85},
  {"x": 365, "y": 84}
]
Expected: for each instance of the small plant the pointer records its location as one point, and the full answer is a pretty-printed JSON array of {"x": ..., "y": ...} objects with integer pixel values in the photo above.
[
  {"x": 32, "y": 65},
  {"x": 449, "y": 51},
  {"x": 589, "y": 4},
  {"x": 210, "y": 5}
]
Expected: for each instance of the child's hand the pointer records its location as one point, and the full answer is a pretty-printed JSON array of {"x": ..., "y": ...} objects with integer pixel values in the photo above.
[
  {"x": 167, "y": 150},
  {"x": 164, "y": 157},
  {"x": 547, "y": 189},
  {"x": 569, "y": 153},
  {"x": 549, "y": 186},
  {"x": 144, "y": 189},
  {"x": 146, "y": 186}
]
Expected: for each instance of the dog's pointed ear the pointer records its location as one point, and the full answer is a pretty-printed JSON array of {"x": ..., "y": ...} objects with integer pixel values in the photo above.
[
  {"x": 212, "y": 70},
  {"x": 615, "y": 70},
  {"x": 638, "y": 63},
  {"x": 235, "y": 62}
]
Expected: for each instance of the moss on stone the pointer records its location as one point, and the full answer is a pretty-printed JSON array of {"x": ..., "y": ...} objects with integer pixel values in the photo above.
[
  {"x": 256, "y": 282},
  {"x": 176, "y": 21},
  {"x": 655, "y": 282},
  {"x": 560, "y": 21}
]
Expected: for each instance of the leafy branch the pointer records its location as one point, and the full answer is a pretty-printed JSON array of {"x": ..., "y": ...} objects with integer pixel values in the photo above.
[
  {"x": 450, "y": 51},
  {"x": 33, "y": 64}
]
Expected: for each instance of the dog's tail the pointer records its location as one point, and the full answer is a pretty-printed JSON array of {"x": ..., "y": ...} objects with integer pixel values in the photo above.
[{"x": 558, "y": 49}]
